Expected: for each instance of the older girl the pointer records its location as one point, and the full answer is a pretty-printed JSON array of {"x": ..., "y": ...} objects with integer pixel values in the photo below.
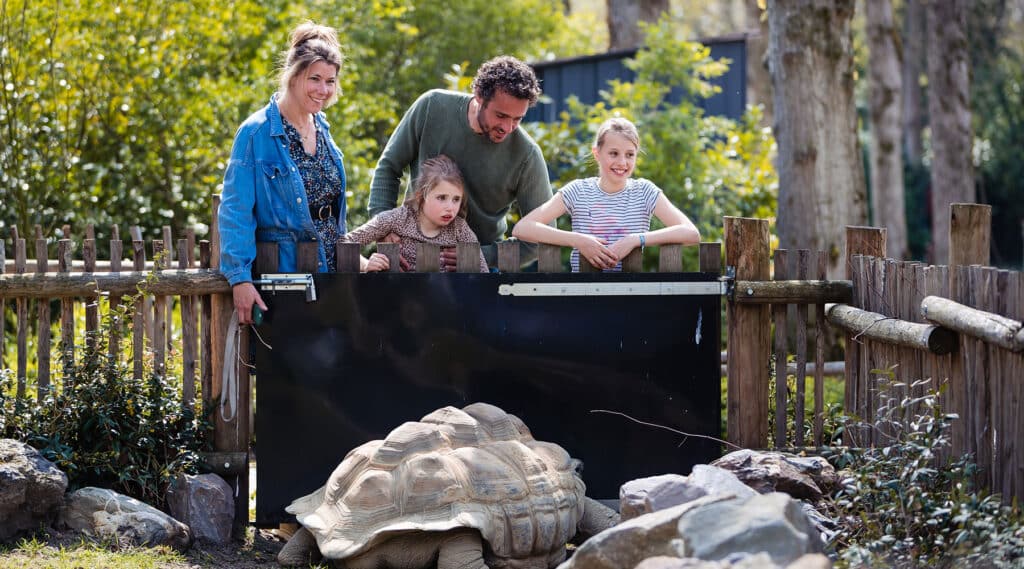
[{"x": 611, "y": 214}]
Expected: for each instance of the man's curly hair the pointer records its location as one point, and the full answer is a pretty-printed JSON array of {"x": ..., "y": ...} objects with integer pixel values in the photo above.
[{"x": 508, "y": 74}]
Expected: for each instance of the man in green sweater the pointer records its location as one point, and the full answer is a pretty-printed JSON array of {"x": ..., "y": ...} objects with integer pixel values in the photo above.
[{"x": 500, "y": 163}]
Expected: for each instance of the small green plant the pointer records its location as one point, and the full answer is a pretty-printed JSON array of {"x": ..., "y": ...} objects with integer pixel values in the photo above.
[
  {"x": 903, "y": 504},
  {"x": 105, "y": 426}
]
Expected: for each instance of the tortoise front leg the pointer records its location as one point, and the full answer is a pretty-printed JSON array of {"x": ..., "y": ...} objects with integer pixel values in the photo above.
[{"x": 461, "y": 550}]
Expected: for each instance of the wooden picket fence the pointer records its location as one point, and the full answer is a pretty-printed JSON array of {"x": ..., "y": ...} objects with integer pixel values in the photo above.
[
  {"x": 909, "y": 328},
  {"x": 984, "y": 379}
]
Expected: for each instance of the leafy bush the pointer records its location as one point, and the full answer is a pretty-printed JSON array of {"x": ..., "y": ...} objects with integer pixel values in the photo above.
[
  {"x": 106, "y": 427},
  {"x": 905, "y": 504}
]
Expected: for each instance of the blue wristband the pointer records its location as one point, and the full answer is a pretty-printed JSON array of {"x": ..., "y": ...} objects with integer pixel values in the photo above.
[{"x": 643, "y": 241}]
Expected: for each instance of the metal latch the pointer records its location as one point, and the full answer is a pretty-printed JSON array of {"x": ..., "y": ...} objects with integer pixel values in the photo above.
[
  {"x": 729, "y": 280},
  {"x": 613, "y": 289},
  {"x": 274, "y": 282}
]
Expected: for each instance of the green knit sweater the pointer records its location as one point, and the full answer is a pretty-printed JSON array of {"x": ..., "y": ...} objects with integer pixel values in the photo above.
[{"x": 496, "y": 175}]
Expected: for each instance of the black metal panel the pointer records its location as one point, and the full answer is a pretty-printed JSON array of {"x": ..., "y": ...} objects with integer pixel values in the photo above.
[
  {"x": 377, "y": 350},
  {"x": 585, "y": 77}
]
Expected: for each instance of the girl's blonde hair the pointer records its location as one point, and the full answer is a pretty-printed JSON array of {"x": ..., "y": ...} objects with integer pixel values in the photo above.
[
  {"x": 310, "y": 43},
  {"x": 620, "y": 126},
  {"x": 432, "y": 172}
]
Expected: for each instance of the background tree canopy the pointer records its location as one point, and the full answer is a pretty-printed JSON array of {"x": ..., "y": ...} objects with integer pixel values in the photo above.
[{"x": 115, "y": 115}]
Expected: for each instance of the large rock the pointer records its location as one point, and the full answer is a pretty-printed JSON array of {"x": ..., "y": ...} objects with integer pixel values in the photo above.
[
  {"x": 205, "y": 503},
  {"x": 31, "y": 489},
  {"x": 757, "y": 561},
  {"x": 804, "y": 477},
  {"x": 632, "y": 541},
  {"x": 106, "y": 514},
  {"x": 756, "y": 530},
  {"x": 766, "y": 523},
  {"x": 646, "y": 495}
]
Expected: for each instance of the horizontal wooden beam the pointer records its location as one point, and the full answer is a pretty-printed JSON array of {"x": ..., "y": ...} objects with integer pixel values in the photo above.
[
  {"x": 793, "y": 292},
  {"x": 64, "y": 285},
  {"x": 225, "y": 464},
  {"x": 991, "y": 328},
  {"x": 878, "y": 327},
  {"x": 830, "y": 369}
]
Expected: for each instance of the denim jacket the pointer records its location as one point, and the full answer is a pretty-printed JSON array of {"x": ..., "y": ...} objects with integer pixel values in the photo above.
[{"x": 264, "y": 198}]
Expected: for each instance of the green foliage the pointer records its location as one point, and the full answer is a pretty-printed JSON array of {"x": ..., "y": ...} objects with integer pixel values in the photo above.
[
  {"x": 114, "y": 113},
  {"x": 708, "y": 166},
  {"x": 106, "y": 427},
  {"x": 905, "y": 505},
  {"x": 117, "y": 114}
]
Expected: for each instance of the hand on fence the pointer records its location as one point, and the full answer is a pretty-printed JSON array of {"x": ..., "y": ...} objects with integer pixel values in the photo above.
[
  {"x": 449, "y": 259},
  {"x": 594, "y": 250},
  {"x": 403, "y": 263},
  {"x": 624, "y": 246},
  {"x": 377, "y": 262},
  {"x": 244, "y": 296}
]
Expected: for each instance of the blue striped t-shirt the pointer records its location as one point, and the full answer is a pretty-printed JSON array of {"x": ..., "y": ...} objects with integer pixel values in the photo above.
[{"x": 609, "y": 216}]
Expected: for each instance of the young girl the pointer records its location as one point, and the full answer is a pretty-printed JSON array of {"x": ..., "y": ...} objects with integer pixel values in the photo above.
[
  {"x": 611, "y": 214},
  {"x": 434, "y": 213}
]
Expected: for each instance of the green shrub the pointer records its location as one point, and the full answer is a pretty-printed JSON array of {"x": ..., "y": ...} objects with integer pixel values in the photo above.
[
  {"x": 905, "y": 504},
  {"x": 105, "y": 427}
]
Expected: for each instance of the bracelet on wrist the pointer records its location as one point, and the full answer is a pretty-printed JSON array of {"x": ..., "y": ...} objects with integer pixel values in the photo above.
[{"x": 643, "y": 241}]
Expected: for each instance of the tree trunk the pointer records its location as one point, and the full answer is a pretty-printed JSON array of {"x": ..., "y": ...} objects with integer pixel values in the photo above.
[
  {"x": 821, "y": 175},
  {"x": 913, "y": 69},
  {"x": 624, "y": 17},
  {"x": 759, "y": 83},
  {"x": 887, "y": 203},
  {"x": 949, "y": 113}
]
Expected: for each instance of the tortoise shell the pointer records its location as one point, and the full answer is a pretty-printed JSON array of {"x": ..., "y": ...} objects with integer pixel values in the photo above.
[{"x": 477, "y": 467}]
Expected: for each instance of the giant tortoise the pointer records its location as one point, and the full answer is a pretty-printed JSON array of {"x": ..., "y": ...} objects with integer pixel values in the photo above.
[{"x": 461, "y": 488}]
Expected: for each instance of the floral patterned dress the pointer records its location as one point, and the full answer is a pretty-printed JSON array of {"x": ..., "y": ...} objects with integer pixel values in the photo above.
[{"x": 322, "y": 181}]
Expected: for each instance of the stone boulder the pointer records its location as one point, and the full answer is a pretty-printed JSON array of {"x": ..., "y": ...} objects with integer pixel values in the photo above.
[
  {"x": 646, "y": 495},
  {"x": 757, "y": 561},
  {"x": 803, "y": 477},
  {"x": 719, "y": 528},
  {"x": 765, "y": 523},
  {"x": 31, "y": 489},
  {"x": 205, "y": 503},
  {"x": 106, "y": 514}
]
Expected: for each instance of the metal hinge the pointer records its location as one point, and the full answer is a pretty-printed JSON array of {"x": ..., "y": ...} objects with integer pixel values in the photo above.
[
  {"x": 274, "y": 282},
  {"x": 613, "y": 289}
]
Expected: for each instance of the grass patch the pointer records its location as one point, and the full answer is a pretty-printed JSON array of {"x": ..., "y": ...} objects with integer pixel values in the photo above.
[{"x": 35, "y": 554}]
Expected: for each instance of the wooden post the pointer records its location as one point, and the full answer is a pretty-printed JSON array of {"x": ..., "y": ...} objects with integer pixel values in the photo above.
[
  {"x": 188, "y": 335},
  {"x": 67, "y": 314},
  {"x": 43, "y": 322},
  {"x": 229, "y": 435},
  {"x": 970, "y": 235},
  {"x": 467, "y": 258},
  {"x": 22, "y": 309},
  {"x": 346, "y": 257},
  {"x": 116, "y": 254},
  {"x": 779, "y": 313},
  {"x": 428, "y": 257},
  {"x": 160, "y": 322},
  {"x": 710, "y": 257},
  {"x": 508, "y": 256},
  {"x": 549, "y": 258},
  {"x": 749, "y": 336},
  {"x": 391, "y": 251},
  {"x": 139, "y": 312},
  {"x": 865, "y": 241},
  {"x": 670, "y": 258}
]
